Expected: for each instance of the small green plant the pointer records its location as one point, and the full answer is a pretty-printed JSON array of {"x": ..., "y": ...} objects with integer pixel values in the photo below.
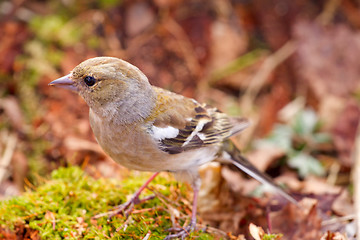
[
  {"x": 272, "y": 237},
  {"x": 259, "y": 233},
  {"x": 299, "y": 140}
]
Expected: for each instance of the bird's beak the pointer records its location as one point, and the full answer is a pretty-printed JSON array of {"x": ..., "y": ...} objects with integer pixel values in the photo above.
[{"x": 64, "y": 82}]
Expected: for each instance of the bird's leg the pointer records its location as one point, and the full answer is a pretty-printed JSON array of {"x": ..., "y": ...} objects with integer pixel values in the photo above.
[
  {"x": 183, "y": 232},
  {"x": 127, "y": 207}
]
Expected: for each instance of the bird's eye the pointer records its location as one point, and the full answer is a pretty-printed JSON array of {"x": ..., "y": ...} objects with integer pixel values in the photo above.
[{"x": 89, "y": 80}]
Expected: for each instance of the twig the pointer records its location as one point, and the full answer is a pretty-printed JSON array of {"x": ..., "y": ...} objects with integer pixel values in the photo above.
[
  {"x": 333, "y": 173},
  {"x": 356, "y": 179},
  {"x": 212, "y": 230},
  {"x": 268, "y": 219},
  {"x": 257, "y": 82},
  {"x": 328, "y": 13},
  {"x": 338, "y": 219},
  {"x": 174, "y": 213},
  {"x": 237, "y": 65},
  {"x": 7, "y": 156},
  {"x": 264, "y": 72},
  {"x": 162, "y": 196},
  {"x": 184, "y": 44},
  {"x": 147, "y": 235},
  {"x": 125, "y": 225},
  {"x": 143, "y": 210}
]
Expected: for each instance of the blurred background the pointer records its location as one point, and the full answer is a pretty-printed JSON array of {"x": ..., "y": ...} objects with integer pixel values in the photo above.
[{"x": 291, "y": 67}]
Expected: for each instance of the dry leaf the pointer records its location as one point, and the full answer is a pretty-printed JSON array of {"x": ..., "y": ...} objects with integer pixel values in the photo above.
[
  {"x": 327, "y": 57},
  {"x": 297, "y": 222},
  {"x": 139, "y": 16},
  {"x": 333, "y": 236},
  {"x": 319, "y": 186},
  {"x": 210, "y": 186},
  {"x": 256, "y": 232},
  {"x": 263, "y": 157},
  {"x": 343, "y": 205},
  {"x": 344, "y": 132},
  {"x": 13, "y": 112}
]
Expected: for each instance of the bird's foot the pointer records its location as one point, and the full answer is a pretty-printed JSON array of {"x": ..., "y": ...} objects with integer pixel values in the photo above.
[
  {"x": 181, "y": 232},
  {"x": 125, "y": 209}
]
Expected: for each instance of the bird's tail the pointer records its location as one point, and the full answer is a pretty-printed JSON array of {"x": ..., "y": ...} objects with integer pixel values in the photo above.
[{"x": 236, "y": 158}]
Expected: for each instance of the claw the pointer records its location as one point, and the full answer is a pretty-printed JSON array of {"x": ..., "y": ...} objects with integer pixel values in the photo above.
[
  {"x": 181, "y": 232},
  {"x": 184, "y": 232},
  {"x": 125, "y": 209}
]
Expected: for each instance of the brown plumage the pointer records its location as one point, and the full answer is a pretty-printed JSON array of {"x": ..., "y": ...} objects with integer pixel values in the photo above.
[{"x": 147, "y": 128}]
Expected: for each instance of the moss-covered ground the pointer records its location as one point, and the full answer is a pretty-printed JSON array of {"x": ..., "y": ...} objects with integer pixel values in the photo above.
[{"x": 63, "y": 206}]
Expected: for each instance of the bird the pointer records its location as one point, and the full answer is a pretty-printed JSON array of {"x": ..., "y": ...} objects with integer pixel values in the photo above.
[{"x": 147, "y": 128}]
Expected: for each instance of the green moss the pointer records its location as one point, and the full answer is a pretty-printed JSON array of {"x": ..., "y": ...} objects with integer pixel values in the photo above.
[
  {"x": 272, "y": 237},
  {"x": 63, "y": 207}
]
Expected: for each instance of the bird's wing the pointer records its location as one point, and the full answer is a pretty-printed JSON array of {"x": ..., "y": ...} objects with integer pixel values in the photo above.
[
  {"x": 181, "y": 124},
  {"x": 185, "y": 124}
]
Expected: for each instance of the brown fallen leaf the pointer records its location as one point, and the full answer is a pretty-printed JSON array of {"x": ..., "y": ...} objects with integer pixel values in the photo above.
[
  {"x": 317, "y": 186},
  {"x": 22, "y": 230},
  {"x": 13, "y": 35},
  {"x": 226, "y": 44},
  {"x": 256, "y": 232},
  {"x": 77, "y": 144},
  {"x": 294, "y": 222},
  {"x": 237, "y": 182},
  {"x": 333, "y": 236},
  {"x": 20, "y": 166},
  {"x": 138, "y": 17},
  {"x": 344, "y": 132},
  {"x": 263, "y": 157},
  {"x": 211, "y": 182},
  {"x": 330, "y": 109},
  {"x": 12, "y": 109},
  {"x": 292, "y": 181},
  {"x": 327, "y": 57},
  {"x": 343, "y": 205},
  {"x": 238, "y": 237}
]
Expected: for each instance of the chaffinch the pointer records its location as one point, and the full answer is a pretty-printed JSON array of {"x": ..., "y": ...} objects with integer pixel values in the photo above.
[{"x": 147, "y": 128}]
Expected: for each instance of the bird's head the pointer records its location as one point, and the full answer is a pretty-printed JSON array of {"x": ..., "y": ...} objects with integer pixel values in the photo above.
[{"x": 108, "y": 84}]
